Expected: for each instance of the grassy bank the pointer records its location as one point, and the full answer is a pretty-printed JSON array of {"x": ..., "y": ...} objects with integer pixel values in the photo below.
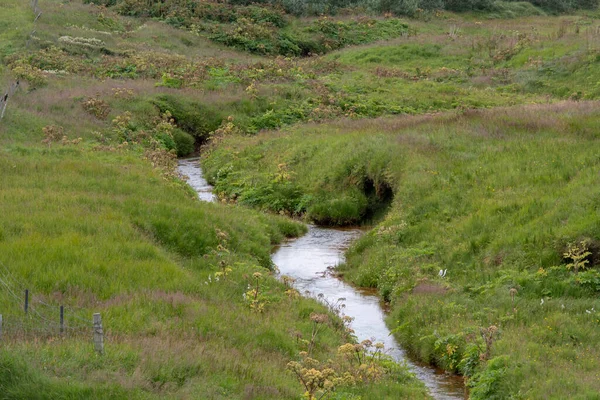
[
  {"x": 94, "y": 217},
  {"x": 104, "y": 231},
  {"x": 493, "y": 197}
]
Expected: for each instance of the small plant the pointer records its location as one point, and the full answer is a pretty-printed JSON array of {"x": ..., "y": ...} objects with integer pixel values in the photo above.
[
  {"x": 66, "y": 142},
  {"x": 513, "y": 292},
  {"x": 319, "y": 320},
  {"x": 122, "y": 127},
  {"x": 123, "y": 93},
  {"x": 366, "y": 360},
  {"x": 253, "y": 295},
  {"x": 52, "y": 133},
  {"x": 96, "y": 107},
  {"x": 163, "y": 160},
  {"x": 288, "y": 281},
  {"x": 578, "y": 254},
  {"x": 318, "y": 380},
  {"x": 489, "y": 336},
  {"x": 170, "y": 81},
  {"x": 252, "y": 90},
  {"x": 282, "y": 174},
  {"x": 33, "y": 75}
]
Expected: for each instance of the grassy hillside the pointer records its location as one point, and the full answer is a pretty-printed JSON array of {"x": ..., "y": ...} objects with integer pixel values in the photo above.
[
  {"x": 493, "y": 197},
  {"x": 94, "y": 217}
]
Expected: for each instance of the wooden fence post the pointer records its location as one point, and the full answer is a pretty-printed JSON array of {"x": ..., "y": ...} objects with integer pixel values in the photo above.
[
  {"x": 98, "y": 334},
  {"x": 62, "y": 320},
  {"x": 26, "y": 300},
  {"x": 4, "y": 107}
]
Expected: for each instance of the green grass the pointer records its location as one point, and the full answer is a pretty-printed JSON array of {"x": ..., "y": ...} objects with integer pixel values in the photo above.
[
  {"x": 104, "y": 232},
  {"x": 494, "y": 197},
  {"x": 490, "y": 195},
  {"x": 96, "y": 228}
]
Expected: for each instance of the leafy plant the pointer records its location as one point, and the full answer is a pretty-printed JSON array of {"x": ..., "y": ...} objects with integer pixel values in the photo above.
[
  {"x": 96, "y": 107},
  {"x": 578, "y": 254}
]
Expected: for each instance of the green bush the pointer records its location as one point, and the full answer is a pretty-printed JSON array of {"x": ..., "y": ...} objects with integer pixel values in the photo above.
[
  {"x": 184, "y": 143},
  {"x": 468, "y": 5},
  {"x": 561, "y": 6},
  {"x": 194, "y": 118},
  {"x": 506, "y": 9}
]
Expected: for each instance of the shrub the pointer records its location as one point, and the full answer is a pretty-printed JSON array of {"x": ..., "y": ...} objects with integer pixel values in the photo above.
[
  {"x": 52, "y": 133},
  {"x": 184, "y": 143},
  {"x": 167, "y": 80},
  {"x": 96, "y": 107},
  {"x": 467, "y": 5},
  {"x": 561, "y": 6},
  {"x": 194, "y": 118},
  {"x": 505, "y": 9}
]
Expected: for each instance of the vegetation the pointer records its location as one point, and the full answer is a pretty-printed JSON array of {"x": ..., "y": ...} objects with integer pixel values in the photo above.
[
  {"x": 93, "y": 216},
  {"x": 500, "y": 199},
  {"x": 496, "y": 198},
  {"x": 467, "y": 141}
]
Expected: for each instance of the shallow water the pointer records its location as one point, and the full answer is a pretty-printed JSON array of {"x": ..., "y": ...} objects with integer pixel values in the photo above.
[
  {"x": 191, "y": 169},
  {"x": 309, "y": 259}
]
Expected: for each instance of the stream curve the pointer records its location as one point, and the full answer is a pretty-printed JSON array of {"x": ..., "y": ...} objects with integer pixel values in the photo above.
[{"x": 309, "y": 259}]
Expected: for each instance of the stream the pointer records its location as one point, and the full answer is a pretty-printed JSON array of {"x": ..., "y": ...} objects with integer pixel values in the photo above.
[{"x": 309, "y": 259}]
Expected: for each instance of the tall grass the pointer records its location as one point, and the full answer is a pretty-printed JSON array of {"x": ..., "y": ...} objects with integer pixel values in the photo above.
[{"x": 493, "y": 197}]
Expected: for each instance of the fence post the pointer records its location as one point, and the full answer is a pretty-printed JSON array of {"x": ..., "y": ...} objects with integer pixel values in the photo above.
[
  {"x": 62, "y": 320},
  {"x": 26, "y": 300},
  {"x": 98, "y": 334},
  {"x": 4, "y": 108}
]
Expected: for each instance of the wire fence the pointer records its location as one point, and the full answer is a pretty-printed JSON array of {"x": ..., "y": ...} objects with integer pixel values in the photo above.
[
  {"x": 14, "y": 85},
  {"x": 30, "y": 317}
]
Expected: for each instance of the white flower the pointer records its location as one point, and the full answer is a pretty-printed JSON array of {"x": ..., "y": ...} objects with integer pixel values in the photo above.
[{"x": 542, "y": 302}]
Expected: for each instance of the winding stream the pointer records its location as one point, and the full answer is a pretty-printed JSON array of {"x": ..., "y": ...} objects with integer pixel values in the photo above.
[{"x": 308, "y": 259}]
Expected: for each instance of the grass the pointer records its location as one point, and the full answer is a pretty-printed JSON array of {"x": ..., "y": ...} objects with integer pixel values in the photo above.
[
  {"x": 493, "y": 196},
  {"x": 105, "y": 226},
  {"x": 104, "y": 232}
]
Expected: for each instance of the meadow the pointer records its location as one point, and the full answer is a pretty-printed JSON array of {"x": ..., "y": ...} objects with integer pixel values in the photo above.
[
  {"x": 94, "y": 217},
  {"x": 462, "y": 142},
  {"x": 495, "y": 197}
]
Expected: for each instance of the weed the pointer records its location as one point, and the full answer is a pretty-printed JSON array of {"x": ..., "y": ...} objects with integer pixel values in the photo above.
[
  {"x": 52, "y": 133},
  {"x": 578, "y": 254},
  {"x": 96, "y": 107}
]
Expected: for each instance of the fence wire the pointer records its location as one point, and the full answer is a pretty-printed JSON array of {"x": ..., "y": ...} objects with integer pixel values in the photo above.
[{"x": 42, "y": 319}]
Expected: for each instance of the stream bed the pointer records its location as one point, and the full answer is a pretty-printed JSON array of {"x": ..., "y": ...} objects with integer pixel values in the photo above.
[{"x": 309, "y": 260}]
